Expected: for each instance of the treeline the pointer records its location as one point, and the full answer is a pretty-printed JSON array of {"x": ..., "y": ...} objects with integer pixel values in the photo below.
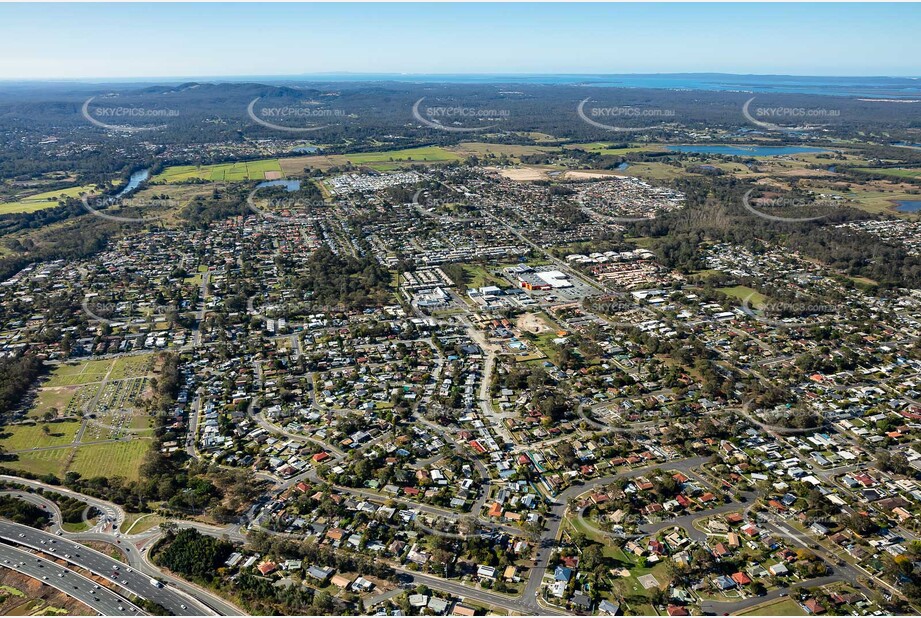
[
  {"x": 314, "y": 553},
  {"x": 168, "y": 379},
  {"x": 715, "y": 212},
  {"x": 74, "y": 239},
  {"x": 23, "y": 512},
  {"x": 352, "y": 282},
  {"x": 363, "y": 112},
  {"x": 221, "y": 204},
  {"x": 201, "y": 558},
  {"x": 192, "y": 554},
  {"x": 16, "y": 377}
]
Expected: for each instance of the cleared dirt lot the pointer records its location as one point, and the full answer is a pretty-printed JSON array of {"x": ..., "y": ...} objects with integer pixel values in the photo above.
[{"x": 533, "y": 323}]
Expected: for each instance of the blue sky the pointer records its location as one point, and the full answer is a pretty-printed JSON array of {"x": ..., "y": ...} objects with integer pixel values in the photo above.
[{"x": 187, "y": 40}]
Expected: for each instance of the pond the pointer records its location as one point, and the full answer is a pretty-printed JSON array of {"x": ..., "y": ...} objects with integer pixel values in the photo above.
[{"x": 289, "y": 185}]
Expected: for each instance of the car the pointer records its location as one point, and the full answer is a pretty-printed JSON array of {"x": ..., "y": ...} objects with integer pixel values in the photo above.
[
  {"x": 67, "y": 555},
  {"x": 182, "y": 606},
  {"x": 21, "y": 535},
  {"x": 60, "y": 532},
  {"x": 115, "y": 567},
  {"x": 96, "y": 587},
  {"x": 60, "y": 575},
  {"x": 124, "y": 582},
  {"x": 45, "y": 577},
  {"x": 42, "y": 542}
]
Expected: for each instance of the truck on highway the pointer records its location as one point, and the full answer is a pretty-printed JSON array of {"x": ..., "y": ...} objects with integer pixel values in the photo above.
[{"x": 156, "y": 582}]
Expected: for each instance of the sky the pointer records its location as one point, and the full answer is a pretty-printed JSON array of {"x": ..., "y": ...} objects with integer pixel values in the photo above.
[{"x": 82, "y": 41}]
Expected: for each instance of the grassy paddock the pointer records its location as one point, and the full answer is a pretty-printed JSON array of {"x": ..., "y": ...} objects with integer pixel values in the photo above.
[{"x": 41, "y": 201}]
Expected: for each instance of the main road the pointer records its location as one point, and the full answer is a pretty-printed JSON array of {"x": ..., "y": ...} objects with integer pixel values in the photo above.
[
  {"x": 103, "y": 600},
  {"x": 120, "y": 574}
]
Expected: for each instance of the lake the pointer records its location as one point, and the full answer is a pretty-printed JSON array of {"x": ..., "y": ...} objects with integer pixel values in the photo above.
[
  {"x": 746, "y": 151},
  {"x": 908, "y": 206},
  {"x": 134, "y": 182},
  {"x": 290, "y": 185}
]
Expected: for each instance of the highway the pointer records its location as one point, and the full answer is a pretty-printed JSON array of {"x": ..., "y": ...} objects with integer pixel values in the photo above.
[
  {"x": 71, "y": 583},
  {"x": 118, "y": 573}
]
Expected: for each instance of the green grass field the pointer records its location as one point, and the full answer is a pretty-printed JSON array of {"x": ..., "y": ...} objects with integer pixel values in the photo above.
[
  {"x": 897, "y": 172},
  {"x": 115, "y": 459},
  {"x": 131, "y": 366},
  {"x": 79, "y": 373},
  {"x": 22, "y": 437},
  {"x": 40, "y": 201},
  {"x": 135, "y": 523},
  {"x": 604, "y": 148},
  {"x": 388, "y": 160},
  {"x": 742, "y": 292},
  {"x": 779, "y": 607},
  {"x": 41, "y": 462},
  {"x": 220, "y": 172},
  {"x": 92, "y": 460},
  {"x": 477, "y": 276},
  {"x": 382, "y": 161}
]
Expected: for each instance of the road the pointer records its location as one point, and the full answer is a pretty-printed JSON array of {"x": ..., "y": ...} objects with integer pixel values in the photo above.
[
  {"x": 558, "y": 510},
  {"x": 97, "y": 563},
  {"x": 106, "y": 602},
  {"x": 525, "y": 604},
  {"x": 137, "y": 555},
  {"x": 112, "y": 511},
  {"x": 731, "y": 607}
]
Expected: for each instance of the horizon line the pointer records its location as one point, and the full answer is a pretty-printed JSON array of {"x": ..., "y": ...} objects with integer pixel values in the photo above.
[{"x": 391, "y": 74}]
